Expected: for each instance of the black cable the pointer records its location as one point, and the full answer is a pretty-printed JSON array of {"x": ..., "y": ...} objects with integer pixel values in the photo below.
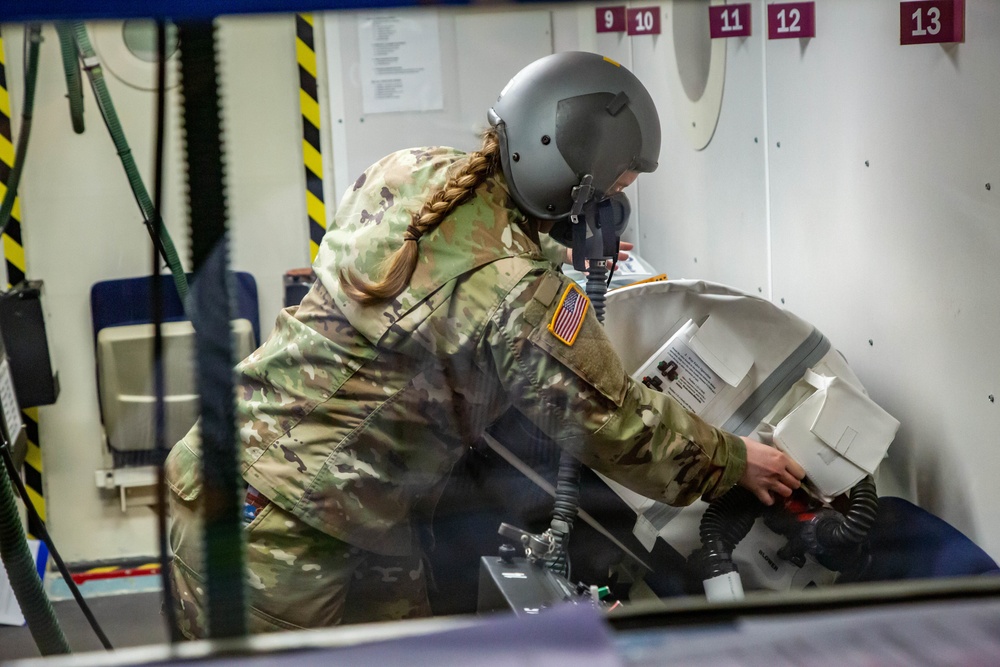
[
  {"x": 44, "y": 534},
  {"x": 162, "y": 448}
]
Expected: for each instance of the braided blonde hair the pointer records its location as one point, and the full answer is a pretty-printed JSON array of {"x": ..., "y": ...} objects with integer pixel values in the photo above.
[{"x": 476, "y": 168}]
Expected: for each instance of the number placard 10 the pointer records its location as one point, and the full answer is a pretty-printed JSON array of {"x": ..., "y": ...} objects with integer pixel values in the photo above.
[
  {"x": 932, "y": 22},
  {"x": 643, "y": 21},
  {"x": 610, "y": 19},
  {"x": 791, "y": 19},
  {"x": 729, "y": 21}
]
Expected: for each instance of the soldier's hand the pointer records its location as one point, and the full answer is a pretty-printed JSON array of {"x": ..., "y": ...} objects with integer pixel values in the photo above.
[{"x": 769, "y": 471}]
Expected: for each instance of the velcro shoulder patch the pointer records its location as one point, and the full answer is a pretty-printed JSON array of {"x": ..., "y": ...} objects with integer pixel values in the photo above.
[
  {"x": 568, "y": 317},
  {"x": 548, "y": 290}
]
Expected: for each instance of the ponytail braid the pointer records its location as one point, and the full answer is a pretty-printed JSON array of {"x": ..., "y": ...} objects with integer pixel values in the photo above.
[{"x": 477, "y": 167}]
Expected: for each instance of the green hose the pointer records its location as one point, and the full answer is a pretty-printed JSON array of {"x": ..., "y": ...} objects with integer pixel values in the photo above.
[
  {"x": 107, "y": 107},
  {"x": 33, "y": 38},
  {"x": 71, "y": 65},
  {"x": 35, "y": 605}
]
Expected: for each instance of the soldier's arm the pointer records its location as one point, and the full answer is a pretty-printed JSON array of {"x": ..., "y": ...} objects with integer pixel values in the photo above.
[{"x": 571, "y": 383}]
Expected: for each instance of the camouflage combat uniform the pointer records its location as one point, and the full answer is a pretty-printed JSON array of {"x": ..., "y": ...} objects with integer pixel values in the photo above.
[{"x": 352, "y": 416}]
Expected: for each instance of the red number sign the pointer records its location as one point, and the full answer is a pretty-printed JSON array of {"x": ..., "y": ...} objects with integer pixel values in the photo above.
[
  {"x": 729, "y": 21},
  {"x": 610, "y": 19},
  {"x": 643, "y": 21},
  {"x": 791, "y": 19},
  {"x": 932, "y": 22}
]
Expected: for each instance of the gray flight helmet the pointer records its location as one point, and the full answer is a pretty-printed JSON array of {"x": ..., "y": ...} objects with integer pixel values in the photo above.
[{"x": 567, "y": 116}]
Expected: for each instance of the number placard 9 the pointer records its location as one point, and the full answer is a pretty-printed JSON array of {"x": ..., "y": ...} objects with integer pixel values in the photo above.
[
  {"x": 643, "y": 21},
  {"x": 610, "y": 19},
  {"x": 932, "y": 22},
  {"x": 729, "y": 21},
  {"x": 791, "y": 19}
]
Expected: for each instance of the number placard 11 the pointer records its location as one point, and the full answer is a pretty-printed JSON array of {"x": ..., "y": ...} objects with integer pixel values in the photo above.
[
  {"x": 791, "y": 19},
  {"x": 643, "y": 21},
  {"x": 729, "y": 21},
  {"x": 932, "y": 22},
  {"x": 610, "y": 19}
]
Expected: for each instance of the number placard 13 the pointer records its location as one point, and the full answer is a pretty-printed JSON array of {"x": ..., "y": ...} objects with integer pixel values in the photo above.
[
  {"x": 643, "y": 21},
  {"x": 610, "y": 19},
  {"x": 932, "y": 22},
  {"x": 791, "y": 19},
  {"x": 729, "y": 20}
]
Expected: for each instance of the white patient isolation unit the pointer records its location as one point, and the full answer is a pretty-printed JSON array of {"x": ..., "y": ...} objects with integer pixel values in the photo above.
[{"x": 754, "y": 369}]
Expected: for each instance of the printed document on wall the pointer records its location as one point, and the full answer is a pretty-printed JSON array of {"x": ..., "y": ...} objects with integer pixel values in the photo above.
[{"x": 400, "y": 61}]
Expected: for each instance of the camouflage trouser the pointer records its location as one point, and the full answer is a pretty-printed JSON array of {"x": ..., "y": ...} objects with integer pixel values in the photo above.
[{"x": 296, "y": 576}]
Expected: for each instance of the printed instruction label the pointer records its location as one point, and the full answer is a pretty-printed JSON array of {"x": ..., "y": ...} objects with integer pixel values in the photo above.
[
  {"x": 689, "y": 379},
  {"x": 8, "y": 402},
  {"x": 681, "y": 373},
  {"x": 400, "y": 62}
]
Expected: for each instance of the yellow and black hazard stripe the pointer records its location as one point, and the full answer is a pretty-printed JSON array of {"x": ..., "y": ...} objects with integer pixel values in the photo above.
[
  {"x": 312, "y": 154},
  {"x": 13, "y": 252}
]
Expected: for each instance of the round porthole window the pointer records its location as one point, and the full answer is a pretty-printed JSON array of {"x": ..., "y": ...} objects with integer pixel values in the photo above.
[
  {"x": 140, "y": 39},
  {"x": 699, "y": 70},
  {"x": 127, "y": 51}
]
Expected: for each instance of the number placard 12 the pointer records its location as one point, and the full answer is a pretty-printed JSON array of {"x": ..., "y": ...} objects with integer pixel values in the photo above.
[
  {"x": 791, "y": 19},
  {"x": 643, "y": 21},
  {"x": 610, "y": 19},
  {"x": 932, "y": 22},
  {"x": 729, "y": 21}
]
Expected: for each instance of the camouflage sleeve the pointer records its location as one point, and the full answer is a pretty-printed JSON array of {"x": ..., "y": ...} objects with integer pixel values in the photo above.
[
  {"x": 579, "y": 394},
  {"x": 553, "y": 251}
]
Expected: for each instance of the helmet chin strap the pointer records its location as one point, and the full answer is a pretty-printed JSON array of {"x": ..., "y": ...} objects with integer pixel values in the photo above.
[{"x": 593, "y": 239}]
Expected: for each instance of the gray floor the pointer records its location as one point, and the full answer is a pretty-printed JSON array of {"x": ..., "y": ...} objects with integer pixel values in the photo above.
[{"x": 132, "y": 619}]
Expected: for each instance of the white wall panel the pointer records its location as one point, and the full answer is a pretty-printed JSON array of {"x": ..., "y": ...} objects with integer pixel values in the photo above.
[
  {"x": 703, "y": 211},
  {"x": 885, "y": 235}
]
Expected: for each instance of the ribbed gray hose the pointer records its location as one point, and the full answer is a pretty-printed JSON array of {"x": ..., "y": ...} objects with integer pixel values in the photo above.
[
  {"x": 157, "y": 230},
  {"x": 33, "y": 39},
  {"x": 71, "y": 66},
  {"x": 20, "y": 566}
]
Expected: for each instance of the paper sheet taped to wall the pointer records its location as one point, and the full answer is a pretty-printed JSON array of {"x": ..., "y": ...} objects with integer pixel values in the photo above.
[{"x": 400, "y": 62}]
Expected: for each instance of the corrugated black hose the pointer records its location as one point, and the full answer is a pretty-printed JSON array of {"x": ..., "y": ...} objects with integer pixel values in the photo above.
[
  {"x": 852, "y": 528},
  {"x": 723, "y": 525},
  {"x": 20, "y": 566},
  {"x": 211, "y": 312},
  {"x": 567, "y": 493}
]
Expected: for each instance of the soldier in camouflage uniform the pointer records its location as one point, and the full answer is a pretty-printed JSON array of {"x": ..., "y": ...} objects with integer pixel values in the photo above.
[{"x": 434, "y": 311}]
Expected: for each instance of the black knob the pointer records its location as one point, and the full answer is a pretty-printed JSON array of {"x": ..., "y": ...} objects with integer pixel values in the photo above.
[{"x": 507, "y": 553}]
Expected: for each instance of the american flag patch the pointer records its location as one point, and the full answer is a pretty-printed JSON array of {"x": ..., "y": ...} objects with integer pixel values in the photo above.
[{"x": 568, "y": 320}]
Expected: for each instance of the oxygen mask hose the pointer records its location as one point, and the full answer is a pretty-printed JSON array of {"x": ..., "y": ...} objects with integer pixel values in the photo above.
[{"x": 567, "y": 493}]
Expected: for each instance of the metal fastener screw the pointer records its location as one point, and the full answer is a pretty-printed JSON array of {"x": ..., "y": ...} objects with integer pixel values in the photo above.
[
  {"x": 546, "y": 140},
  {"x": 992, "y": 400},
  {"x": 516, "y": 157},
  {"x": 871, "y": 342},
  {"x": 779, "y": 144},
  {"x": 866, "y": 163}
]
